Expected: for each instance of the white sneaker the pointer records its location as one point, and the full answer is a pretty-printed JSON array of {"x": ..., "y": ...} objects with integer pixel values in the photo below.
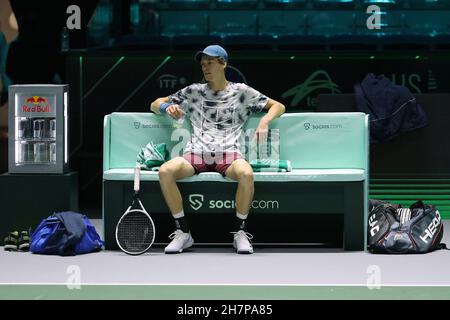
[
  {"x": 181, "y": 241},
  {"x": 242, "y": 242}
]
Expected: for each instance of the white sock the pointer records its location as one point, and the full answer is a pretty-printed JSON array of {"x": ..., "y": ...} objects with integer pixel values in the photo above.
[
  {"x": 241, "y": 216},
  {"x": 179, "y": 215}
]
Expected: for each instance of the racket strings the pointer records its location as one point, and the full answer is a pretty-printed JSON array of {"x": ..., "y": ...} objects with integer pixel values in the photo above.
[{"x": 135, "y": 232}]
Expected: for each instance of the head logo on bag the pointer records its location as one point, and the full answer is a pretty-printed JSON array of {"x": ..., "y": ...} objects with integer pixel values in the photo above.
[
  {"x": 432, "y": 228},
  {"x": 393, "y": 229}
]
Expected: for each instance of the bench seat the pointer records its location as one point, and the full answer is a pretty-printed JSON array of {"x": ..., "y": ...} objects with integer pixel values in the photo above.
[{"x": 310, "y": 175}]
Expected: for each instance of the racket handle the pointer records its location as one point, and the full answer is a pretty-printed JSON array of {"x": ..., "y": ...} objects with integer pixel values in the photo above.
[{"x": 137, "y": 177}]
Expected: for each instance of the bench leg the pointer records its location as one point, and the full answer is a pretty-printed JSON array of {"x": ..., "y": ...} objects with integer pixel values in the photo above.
[
  {"x": 112, "y": 211},
  {"x": 354, "y": 226}
]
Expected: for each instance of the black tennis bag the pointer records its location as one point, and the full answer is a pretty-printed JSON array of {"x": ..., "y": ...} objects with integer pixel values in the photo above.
[{"x": 394, "y": 229}]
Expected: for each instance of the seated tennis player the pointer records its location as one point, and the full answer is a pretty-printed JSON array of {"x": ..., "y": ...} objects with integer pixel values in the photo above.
[{"x": 217, "y": 110}]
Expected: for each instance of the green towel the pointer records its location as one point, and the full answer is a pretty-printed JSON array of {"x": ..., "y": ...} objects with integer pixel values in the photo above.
[
  {"x": 271, "y": 165},
  {"x": 152, "y": 156}
]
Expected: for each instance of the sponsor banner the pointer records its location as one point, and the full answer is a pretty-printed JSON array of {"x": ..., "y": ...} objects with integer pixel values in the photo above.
[
  {"x": 198, "y": 202},
  {"x": 219, "y": 197}
]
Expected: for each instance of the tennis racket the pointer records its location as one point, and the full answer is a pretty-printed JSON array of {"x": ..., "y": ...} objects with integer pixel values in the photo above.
[{"x": 135, "y": 231}]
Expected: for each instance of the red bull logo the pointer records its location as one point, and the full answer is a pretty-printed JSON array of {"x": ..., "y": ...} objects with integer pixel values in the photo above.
[
  {"x": 36, "y": 100},
  {"x": 38, "y": 104}
]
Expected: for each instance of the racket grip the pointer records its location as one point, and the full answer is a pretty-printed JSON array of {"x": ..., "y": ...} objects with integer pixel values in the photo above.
[{"x": 137, "y": 173}]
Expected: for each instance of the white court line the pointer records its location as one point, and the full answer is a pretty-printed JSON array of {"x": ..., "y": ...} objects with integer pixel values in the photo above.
[{"x": 229, "y": 284}]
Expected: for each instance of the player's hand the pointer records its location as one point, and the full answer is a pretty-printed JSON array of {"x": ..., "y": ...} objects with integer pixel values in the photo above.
[
  {"x": 261, "y": 136},
  {"x": 262, "y": 132},
  {"x": 175, "y": 111}
]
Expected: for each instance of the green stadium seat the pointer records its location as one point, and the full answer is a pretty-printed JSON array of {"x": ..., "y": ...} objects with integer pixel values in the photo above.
[
  {"x": 285, "y": 4},
  {"x": 233, "y": 23},
  {"x": 334, "y": 4},
  {"x": 429, "y": 4},
  {"x": 237, "y": 4},
  {"x": 188, "y": 4}
]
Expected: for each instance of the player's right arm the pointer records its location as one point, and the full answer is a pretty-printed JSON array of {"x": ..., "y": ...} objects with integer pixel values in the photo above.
[
  {"x": 155, "y": 105},
  {"x": 162, "y": 105}
]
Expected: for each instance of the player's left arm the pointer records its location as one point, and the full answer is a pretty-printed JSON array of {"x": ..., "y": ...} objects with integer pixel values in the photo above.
[{"x": 275, "y": 109}]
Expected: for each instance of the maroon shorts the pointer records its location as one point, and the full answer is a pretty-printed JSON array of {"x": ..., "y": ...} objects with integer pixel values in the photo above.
[{"x": 210, "y": 161}]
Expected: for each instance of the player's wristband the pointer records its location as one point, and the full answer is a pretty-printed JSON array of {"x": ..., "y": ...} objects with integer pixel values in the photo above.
[{"x": 163, "y": 106}]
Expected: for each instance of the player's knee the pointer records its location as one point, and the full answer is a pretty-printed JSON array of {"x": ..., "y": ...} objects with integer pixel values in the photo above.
[
  {"x": 166, "y": 171},
  {"x": 246, "y": 176}
]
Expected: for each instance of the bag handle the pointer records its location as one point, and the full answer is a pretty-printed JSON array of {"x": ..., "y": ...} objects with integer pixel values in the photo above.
[{"x": 417, "y": 205}]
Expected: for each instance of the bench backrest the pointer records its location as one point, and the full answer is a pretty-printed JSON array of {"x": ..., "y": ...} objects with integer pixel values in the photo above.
[{"x": 309, "y": 140}]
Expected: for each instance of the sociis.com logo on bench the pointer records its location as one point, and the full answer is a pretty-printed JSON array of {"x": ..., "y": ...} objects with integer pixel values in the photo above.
[
  {"x": 197, "y": 201},
  {"x": 310, "y": 126}
]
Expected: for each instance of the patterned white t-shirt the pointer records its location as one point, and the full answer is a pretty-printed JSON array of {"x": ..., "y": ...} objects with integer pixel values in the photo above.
[{"x": 218, "y": 117}]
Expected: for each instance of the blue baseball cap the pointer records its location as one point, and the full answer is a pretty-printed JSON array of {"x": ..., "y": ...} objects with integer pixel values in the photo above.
[{"x": 212, "y": 51}]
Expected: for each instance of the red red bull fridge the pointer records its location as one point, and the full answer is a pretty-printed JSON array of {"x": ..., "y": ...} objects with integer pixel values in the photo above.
[{"x": 38, "y": 129}]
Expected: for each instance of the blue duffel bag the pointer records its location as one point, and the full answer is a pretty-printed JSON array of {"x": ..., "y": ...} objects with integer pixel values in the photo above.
[{"x": 65, "y": 233}]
